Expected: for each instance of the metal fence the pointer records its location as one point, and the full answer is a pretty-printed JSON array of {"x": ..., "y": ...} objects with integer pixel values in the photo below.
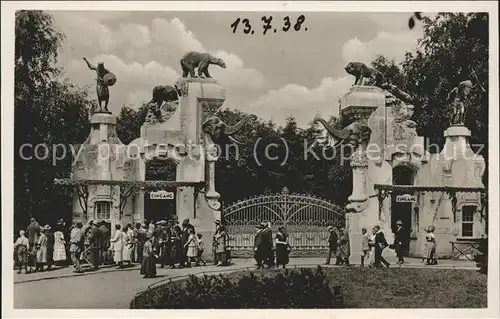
[{"x": 305, "y": 218}]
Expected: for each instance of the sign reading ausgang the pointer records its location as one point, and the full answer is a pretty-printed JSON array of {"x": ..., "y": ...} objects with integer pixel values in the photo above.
[
  {"x": 161, "y": 195},
  {"x": 406, "y": 198}
]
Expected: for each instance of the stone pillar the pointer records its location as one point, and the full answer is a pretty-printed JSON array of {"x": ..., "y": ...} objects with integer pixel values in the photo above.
[
  {"x": 359, "y": 164},
  {"x": 200, "y": 99},
  {"x": 101, "y": 159},
  {"x": 357, "y": 106}
]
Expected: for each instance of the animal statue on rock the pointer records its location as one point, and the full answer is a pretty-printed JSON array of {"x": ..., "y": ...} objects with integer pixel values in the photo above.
[
  {"x": 362, "y": 71},
  {"x": 166, "y": 93},
  {"x": 354, "y": 134},
  {"x": 222, "y": 134},
  {"x": 104, "y": 80},
  {"x": 192, "y": 60},
  {"x": 458, "y": 97}
]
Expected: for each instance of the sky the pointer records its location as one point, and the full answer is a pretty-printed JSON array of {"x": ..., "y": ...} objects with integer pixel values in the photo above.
[{"x": 298, "y": 73}]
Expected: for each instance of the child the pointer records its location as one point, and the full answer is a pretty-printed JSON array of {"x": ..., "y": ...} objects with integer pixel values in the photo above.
[
  {"x": 200, "y": 250},
  {"x": 192, "y": 250},
  {"x": 21, "y": 247},
  {"x": 430, "y": 247},
  {"x": 365, "y": 248}
]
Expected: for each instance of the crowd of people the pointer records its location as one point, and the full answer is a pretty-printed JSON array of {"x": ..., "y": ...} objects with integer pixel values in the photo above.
[
  {"x": 165, "y": 243},
  {"x": 372, "y": 246},
  {"x": 177, "y": 246}
]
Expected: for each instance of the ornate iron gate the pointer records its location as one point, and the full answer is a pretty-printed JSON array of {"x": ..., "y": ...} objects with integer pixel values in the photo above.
[{"x": 305, "y": 218}]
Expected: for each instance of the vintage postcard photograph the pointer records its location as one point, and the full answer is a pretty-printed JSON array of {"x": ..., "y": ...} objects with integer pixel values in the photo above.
[{"x": 340, "y": 157}]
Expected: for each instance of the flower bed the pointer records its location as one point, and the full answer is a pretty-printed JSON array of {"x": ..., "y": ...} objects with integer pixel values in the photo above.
[{"x": 323, "y": 288}]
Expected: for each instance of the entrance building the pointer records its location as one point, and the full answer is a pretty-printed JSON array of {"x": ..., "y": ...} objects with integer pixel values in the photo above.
[{"x": 444, "y": 189}]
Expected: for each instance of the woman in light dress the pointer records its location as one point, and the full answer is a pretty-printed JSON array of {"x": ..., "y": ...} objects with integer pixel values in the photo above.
[
  {"x": 127, "y": 244},
  {"x": 41, "y": 251},
  {"x": 59, "y": 247},
  {"x": 192, "y": 247},
  {"x": 117, "y": 246},
  {"x": 430, "y": 254}
]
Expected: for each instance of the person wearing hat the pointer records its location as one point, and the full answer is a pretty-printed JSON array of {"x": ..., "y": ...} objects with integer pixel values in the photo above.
[
  {"x": 380, "y": 245},
  {"x": 344, "y": 246},
  {"x": 186, "y": 226},
  {"x": 95, "y": 237},
  {"x": 332, "y": 244},
  {"x": 400, "y": 237},
  {"x": 158, "y": 234},
  {"x": 60, "y": 255},
  {"x": 33, "y": 232},
  {"x": 105, "y": 243},
  {"x": 261, "y": 245},
  {"x": 41, "y": 250},
  {"x": 430, "y": 247},
  {"x": 268, "y": 237},
  {"x": 148, "y": 265},
  {"x": 220, "y": 238},
  {"x": 21, "y": 248},
  {"x": 214, "y": 241}
]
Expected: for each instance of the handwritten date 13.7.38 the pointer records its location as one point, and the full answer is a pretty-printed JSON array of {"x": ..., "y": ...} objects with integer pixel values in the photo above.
[{"x": 268, "y": 24}]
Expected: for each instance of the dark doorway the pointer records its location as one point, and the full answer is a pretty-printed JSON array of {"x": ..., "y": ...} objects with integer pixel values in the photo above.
[
  {"x": 158, "y": 209},
  {"x": 402, "y": 175}
]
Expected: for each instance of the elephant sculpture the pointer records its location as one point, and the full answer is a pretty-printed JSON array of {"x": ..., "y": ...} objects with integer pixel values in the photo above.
[
  {"x": 354, "y": 134},
  {"x": 221, "y": 133}
]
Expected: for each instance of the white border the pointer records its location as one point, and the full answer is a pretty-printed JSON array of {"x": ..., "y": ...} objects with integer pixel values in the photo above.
[{"x": 8, "y": 9}]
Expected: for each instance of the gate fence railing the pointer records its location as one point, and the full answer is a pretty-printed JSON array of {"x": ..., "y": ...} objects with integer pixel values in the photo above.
[{"x": 305, "y": 218}]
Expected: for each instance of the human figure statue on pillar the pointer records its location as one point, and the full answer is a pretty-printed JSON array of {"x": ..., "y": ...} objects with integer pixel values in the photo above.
[
  {"x": 104, "y": 80},
  {"x": 458, "y": 97}
]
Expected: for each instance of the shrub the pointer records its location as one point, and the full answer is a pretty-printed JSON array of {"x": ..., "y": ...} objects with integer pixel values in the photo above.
[
  {"x": 305, "y": 288},
  {"x": 481, "y": 259}
]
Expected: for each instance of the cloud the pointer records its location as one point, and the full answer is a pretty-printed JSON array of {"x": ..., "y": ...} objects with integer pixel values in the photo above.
[
  {"x": 141, "y": 55},
  {"x": 236, "y": 74},
  {"x": 304, "y": 102},
  {"x": 393, "y": 45},
  {"x": 301, "y": 102},
  {"x": 135, "y": 81}
]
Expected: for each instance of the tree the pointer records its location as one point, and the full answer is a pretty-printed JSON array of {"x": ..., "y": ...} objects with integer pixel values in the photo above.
[
  {"x": 454, "y": 48},
  {"x": 129, "y": 122},
  {"x": 48, "y": 111}
]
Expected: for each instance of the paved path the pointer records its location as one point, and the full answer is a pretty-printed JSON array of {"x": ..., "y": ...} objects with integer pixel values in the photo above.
[{"x": 114, "y": 289}]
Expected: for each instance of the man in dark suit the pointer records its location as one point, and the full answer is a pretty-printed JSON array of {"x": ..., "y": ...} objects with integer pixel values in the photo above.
[
  {"x": 400, "y": 237},
  {"x": 260, "y": 246},
  {"x": 332, "y": 244},
  {"x": 268, "y": 244},
  {"x": 105, "y": 243},
  {"x": 380, "y": 245},
  {"x": 50, "y": 246},
  {"x": 95, "y": 245}
]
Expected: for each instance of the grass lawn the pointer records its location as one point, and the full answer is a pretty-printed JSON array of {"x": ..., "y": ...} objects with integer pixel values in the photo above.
[
  {"x": 407, "y": 287},
  {"x": 398, "y": 287}
]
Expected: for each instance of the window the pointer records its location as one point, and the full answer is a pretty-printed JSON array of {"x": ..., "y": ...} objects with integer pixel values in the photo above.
[
  {"x": 103, "y": 210},
  {"x": 468, "y": 220}
]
